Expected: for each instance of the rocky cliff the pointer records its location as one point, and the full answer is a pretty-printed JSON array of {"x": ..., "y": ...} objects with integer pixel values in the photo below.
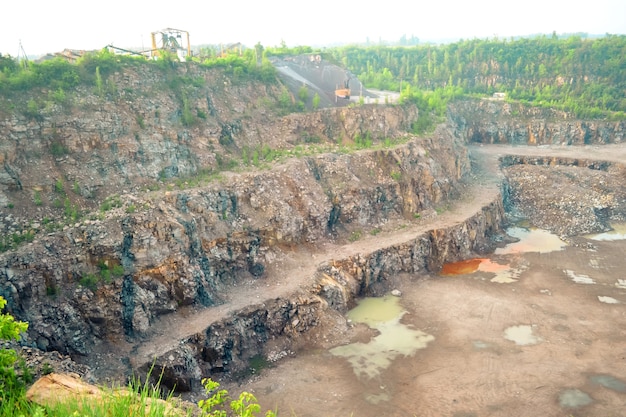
[
  {"x": 275, "y": 328},
  {"x": 134, "y": 213},
  {"x": 154, "y": 237},
  {"x": 497, "y": 121},
  {"x": 187, "y": 247},
  {"x": 152, "y": 125},
  {"x": 590, "y": 194}
]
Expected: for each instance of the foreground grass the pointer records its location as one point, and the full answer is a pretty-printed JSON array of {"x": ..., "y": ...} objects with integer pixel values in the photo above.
[{"x": 136, "y": 400}]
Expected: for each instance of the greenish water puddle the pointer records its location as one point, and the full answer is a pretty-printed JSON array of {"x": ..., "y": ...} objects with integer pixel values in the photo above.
[
  {"x": 610, "y": 382},
  {"x": 573, "y": 398},
  {"x": 395, "y": 339},
  {"x": 618, "y": 233},
  {"x": 531, "y": 239}
]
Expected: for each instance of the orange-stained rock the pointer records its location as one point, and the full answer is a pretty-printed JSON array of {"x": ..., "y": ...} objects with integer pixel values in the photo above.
[{"x": 54, "y": 388}]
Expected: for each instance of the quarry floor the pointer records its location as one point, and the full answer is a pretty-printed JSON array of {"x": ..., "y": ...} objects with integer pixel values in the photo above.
[
  {"x": 576, "y": 365},
  {"x": 470, "y": 368}
]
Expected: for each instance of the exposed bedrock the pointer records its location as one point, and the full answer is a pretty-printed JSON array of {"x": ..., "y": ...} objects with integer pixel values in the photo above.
[
  {"x": 187, "y": 248},
  {"x": 274, "y": 327},
  {"x": 493, "y": 121},
  {"x": 569, "y": 196}
]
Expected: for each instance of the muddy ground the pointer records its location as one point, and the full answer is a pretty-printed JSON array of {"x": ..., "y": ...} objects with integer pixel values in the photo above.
[
  {"x": 573, "y": 301},
  {"x": 471, "y": 369}
]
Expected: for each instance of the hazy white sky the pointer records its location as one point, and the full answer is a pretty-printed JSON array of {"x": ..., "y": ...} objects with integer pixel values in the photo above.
[{"x": 52, "y": 25}]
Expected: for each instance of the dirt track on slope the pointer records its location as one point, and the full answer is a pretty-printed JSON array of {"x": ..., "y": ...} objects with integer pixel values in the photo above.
[{"x": 296, "y": 269}]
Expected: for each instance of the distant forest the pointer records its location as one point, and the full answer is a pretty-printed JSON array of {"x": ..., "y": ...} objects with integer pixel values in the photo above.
[{"x": 584, "y": 76}]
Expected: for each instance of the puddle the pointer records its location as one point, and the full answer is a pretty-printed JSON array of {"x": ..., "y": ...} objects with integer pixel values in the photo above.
[
  {"x": 377, "y": 398},
  {"x": 504, "y": 273},
  {"x": 531, "y": 240},
  {"x": 522, "y": 335},
  {"x": 607, "y": 300},
  {"x": 479, "y": 344},
  {"x": 462, "y": 267},
  {"x": 610, "y": 382},
  {"x": 618, "y": 233},
  {"x": 579, "y": 278},
  {"x": 573, "y": 398},
  {"x": 257, "y": 363},
  {"x": 395, "y": 338},
  {"x": 621, "y": 283}
]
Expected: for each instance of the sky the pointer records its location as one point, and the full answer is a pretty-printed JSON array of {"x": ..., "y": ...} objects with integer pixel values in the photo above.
[{"x": 44, "y": 26}]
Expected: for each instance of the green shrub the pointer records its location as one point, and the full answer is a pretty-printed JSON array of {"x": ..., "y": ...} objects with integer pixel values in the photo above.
[
  {"x": 58, "y": 186},
  {"x": 57, "y": 149},
  {"x": 12, "y": 375},
  {"x": 58, "y": 96},
  {"x": 46, "y": 368},
  {"x": 140, "y": 122},
  {"x": 245, "y": 405},
  {"x": 90, "y": 281},
  {"x": 52, "y": 290},
  {"x": 354, "y": 236},
  {"x": 316, "y": 101},
  {"x": 118, "y": 271},
  {"x": 105, "y": 275},
  {"x": 111, "y": 202}
]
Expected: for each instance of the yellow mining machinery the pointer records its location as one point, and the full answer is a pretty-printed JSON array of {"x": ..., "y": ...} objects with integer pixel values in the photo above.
[{"x": 171, "y": 40}]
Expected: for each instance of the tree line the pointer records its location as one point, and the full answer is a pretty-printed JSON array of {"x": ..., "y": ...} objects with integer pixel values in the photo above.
[{"x": 584, "y": 76}]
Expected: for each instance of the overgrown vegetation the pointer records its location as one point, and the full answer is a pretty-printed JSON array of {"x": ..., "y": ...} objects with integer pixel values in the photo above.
[
  {"x": 580, "y": 75},
  {"x": 583, "y": 76},
  {"x": 12, "y": 240},
  {"x": 59, "y": 78},
  {"x": 104, "y": 275}
]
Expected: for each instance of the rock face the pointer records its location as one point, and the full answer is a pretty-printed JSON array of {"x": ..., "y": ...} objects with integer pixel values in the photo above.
[
  {"x": 161, "y": 125},
  {"x": 188, "y": 247},
  {"x": 275, "y": 327},
  {"x": 585, "y": 196},
  {"x": 492, "y": 121}
]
